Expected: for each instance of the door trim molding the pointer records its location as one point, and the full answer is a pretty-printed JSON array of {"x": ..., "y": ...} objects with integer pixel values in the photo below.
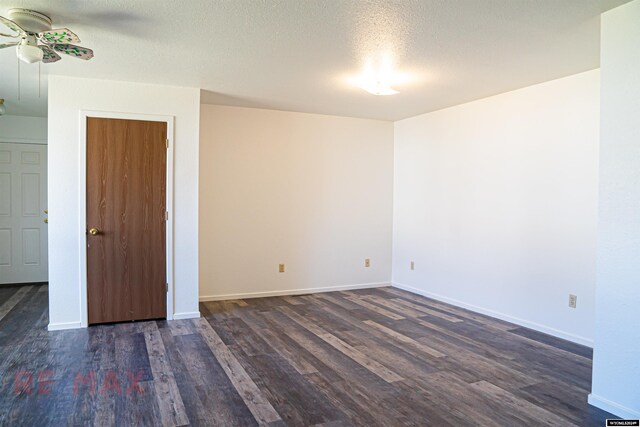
[
  {"x": 82, "y": 187},
  {"x": 18, "y": 140},
  {"x": 25, "y": 141}
]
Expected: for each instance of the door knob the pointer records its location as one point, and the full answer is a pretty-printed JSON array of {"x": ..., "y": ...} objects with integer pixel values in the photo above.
[
  {"x": 46, "y": 221},
  {"x": 94, "y": 231}
]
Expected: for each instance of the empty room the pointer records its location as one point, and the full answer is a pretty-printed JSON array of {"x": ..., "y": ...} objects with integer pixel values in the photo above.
[{"x": 320, "y": 213}]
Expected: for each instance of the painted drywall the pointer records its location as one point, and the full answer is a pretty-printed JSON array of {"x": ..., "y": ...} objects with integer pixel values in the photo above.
[
  {"x": 23, "y": 129},
  {"x": 67, "y": 97},
  {"x": 616, "y": 359},
  {"x": 496, "y": 203},
  {"x": 311, "y": 191}
]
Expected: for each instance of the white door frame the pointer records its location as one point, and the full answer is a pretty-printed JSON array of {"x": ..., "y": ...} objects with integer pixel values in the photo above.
[{"x": 82, "y": 186}]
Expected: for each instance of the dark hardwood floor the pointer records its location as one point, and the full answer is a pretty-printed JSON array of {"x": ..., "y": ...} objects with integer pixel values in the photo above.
[{"x": 369, "y": 357}]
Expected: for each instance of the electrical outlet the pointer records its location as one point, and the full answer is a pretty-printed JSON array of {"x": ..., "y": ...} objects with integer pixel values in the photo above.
[
  {"x": 413, "y": 265},
  {"x": 573, "y": 300},
  {"x": 367, "y": 262},
  {"x": 281, "y": 268}
]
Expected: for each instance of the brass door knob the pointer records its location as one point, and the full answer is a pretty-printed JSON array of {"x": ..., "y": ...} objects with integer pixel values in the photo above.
[
  {"x": 46, "y": 221},
  {"x": 94, "y": 231}
]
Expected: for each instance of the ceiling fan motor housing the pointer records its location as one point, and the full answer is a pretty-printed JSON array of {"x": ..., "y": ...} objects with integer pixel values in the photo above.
[{"x": 30, "y": 20}]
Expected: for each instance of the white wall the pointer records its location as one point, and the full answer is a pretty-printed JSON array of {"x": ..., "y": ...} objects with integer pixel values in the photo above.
[
  {"x": 311, "y": 191},
  {"x": 23, "y": 129},
  {"x": 496, "y": 202},
  {"x": 616, "y": 360},
  {"x": 67, "y": 96}
]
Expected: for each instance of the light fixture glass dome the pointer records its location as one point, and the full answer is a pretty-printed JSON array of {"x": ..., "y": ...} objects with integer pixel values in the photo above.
[
  {"x": 29, "y": 53},
  {"x": 379, "y": 88},
  {"x": 378, "y": 76}
]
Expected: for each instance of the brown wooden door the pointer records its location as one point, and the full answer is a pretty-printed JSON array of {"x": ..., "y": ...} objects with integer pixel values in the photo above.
[{"x": 126, "y": 205}]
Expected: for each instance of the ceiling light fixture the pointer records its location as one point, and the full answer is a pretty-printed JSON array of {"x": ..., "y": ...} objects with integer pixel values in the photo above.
[
  {"x": 379, "y": 87},
  {"x": 377, "y": 77},
  {"x": 29, "y": 52},
  {"x": 3, "y": 109}
]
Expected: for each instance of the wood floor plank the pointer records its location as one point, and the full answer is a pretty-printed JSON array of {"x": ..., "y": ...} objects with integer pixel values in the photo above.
[
  {"x": 295, "y": 399},
  {"x": 6, "y": 291},
  {"x": 529, "y": 412},
  {"x": 461, "y": 312},
  {"x": 335, "y": 362},
  {"x": 9, "y": 304},
  {"x": 382, "y": 371},
  {"x": 474, "y": 362},
  {"x": 238, "y": 302},
  {"x": 375, "y": 308},
  {"x": 197, "y": 412},
  {"x": 494, "y": 365},
  {"x": 356, "y": 413},
  {"x": 475, "y": 366},
  {"x": 293, "y": 356},
  {"x": 179, "y": 327},
  {"x": 105, "y": 405},
  {"x": 305, "y": 345},
  {"x": 390, "y": 305},
  {"x": 170, "y": 402},
  {"x": 477, "y": 361},
  {"x": 406, "y": 360},
  {"x": 557, "y": 397},
  {"x": 293, "y": 300},
  {"x": 410, "y": 341},
  {"x": 451, "y": 395},
  {"x": 220, "y": 405},
  {"x": 26, "y": 321},
  {"x": 247, "y": 338},
  {"x": 577, "y": 349},
  {"x": 541, "y": 359},
  {"x": 333, "y": 297},
  {"x": 84, "y": 407},
  {"x": 259, "y": 406},
  {"x": 427, "y": 310},
  {"x": 446, "y": 401}
]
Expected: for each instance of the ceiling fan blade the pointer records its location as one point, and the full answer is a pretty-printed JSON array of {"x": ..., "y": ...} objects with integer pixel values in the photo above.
[
  {"x": 60, "y": 35},
  {"x": 49, "y": 55},
  {"x": 3, "y": 45},
  {"x": 73, "y": 50},
  {"x": 12, "y": 26}
]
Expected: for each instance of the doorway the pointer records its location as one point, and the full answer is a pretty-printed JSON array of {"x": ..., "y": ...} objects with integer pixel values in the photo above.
[
  {"x": 23, "y": 213},
  {"x": 126, "y": 219}
]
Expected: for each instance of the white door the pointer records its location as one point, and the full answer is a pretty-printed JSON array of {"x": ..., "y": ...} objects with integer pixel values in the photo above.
[{"x": 23, "y": 201}]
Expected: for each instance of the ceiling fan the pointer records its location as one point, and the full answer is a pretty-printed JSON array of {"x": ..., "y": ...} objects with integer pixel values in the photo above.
[{"x": 38, "y": 42}]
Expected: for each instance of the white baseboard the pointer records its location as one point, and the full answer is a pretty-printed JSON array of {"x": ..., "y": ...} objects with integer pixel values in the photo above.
[
  {"x": 63, "y": 326},
  {"x": 186, "y": 315},
  {"x": 292, "y": 292},
  {"x": 76, "y": 325},
  {"x": 613, "y": 407},
  {"x": 516, "y": 320}
]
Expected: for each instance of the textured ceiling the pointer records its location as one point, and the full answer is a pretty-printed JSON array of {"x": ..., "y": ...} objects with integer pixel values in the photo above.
[{"x": 299, "y": 54}]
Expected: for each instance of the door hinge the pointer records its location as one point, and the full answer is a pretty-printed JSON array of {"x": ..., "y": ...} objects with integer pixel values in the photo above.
[
  {"x": 167, "y": 286},
  {"x": 166, "y": 215},
  {"x": 167, "y": 141}
]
